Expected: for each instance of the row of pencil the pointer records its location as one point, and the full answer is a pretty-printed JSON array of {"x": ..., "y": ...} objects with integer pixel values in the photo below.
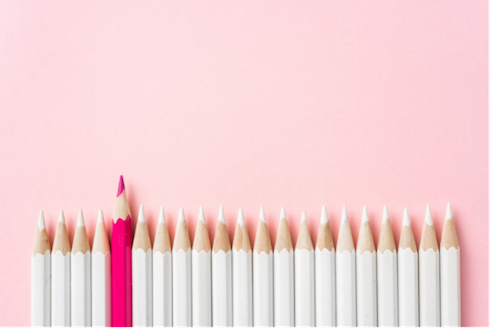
[{"x": 235, "y": 285}]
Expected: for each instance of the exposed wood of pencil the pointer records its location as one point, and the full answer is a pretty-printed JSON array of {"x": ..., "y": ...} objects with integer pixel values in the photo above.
[
  {"x": 80, "y": 241},
  {"x": 429, "y": 239},
  {"x": 201, "y": 238},
  {"x": 41, "y": 243},
  {"x": 304, "y": 238},
  {"x": 61, "y": 242},
  {"x": 221, "y": 239},
  {"x": 324, "y": 239},
  {"x": 121, "y": 208},
  {"x": 181, "y": 240},
  {"x": 345, "y": 242},
  {"x": 262, "y": 239},
  {"x": 241, "y": 241},
  {"x": 141, "y": 237},
  {"x": 162, "y": 239},
  {"x": 365, "y": 242},
  {"x": 407, "y": 239},
  {"x": 101, "y": 242},
  {"x": 386, "y": 240},
  {"x": 283, "y": 238},
  {"x": 449, "y": 236}
]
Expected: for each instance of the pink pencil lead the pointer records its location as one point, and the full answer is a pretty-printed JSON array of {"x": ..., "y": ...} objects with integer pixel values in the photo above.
[{"x": 121, "y": 188}]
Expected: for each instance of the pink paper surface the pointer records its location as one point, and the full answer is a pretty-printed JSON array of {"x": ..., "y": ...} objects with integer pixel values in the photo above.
[{"x": 246, "y": 103}]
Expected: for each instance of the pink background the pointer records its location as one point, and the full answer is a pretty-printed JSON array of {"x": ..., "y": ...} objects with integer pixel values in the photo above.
[{"x": 244, "y": 103}]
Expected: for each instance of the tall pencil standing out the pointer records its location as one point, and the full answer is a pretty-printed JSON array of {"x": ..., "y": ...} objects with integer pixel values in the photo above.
[
  {"x": 346, "y": 275},
  {"x": 430, "y": 297},
  {"x": 367, "y": 311},
  {"x": 81, "y": 299},
  {"x": 41, "y": 277},
  {"x": 450, "y": 274},
  {"x": 408, "y": 276},
  {"x": 162, "y": 275},
  {"x": 182, "y": 292},
  {"x": 142, "y": 274},
  {"x": 121, "y": 260},
  {"x": 201, "y": 275},
  {"x": 263, "y": 268},
  {"x": 242, "y": 275},
  {"x": 387, "y": 275},
  {"x": 325, "y": 273},
  {"x": 60, "y": 276},
  {"x": 222, "y": 278},
  {"x": 284, "y": 275},
  {"x": 101, "y": 277},
  {"x": 304, "y": 274}
]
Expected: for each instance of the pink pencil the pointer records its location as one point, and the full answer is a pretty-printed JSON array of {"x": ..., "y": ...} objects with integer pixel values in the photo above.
[{"x": 121, "y": 260}]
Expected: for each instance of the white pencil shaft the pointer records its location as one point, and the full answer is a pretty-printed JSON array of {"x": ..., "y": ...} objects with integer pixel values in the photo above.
[
  {"x": 60, "y": 292},
  {"x": 162, "y": 289},
  {"x": 242, "y": 289},
  {"x": 142, "y": 288},
  {"x": 325, "y": 287},
  {"x": 430, "y": 303},
  {"x": 284, "y": 288},
  {"x": 201, "y": 291},
  {"x": 81, "y": 289},
  {"x": 387, "y": 289},
  {"x": 304, "y": 275},
  {"x": 263, "y": 268},
  {"x": 101, "y": 290},
  {"x": 182, "y": 292},
  {"x": 367, "y": 311},
  {"x": 408, "y": 288},
  {"x": 450, "y": 288},
  {"x": 346, "y": 288},
  {"x": 41, "y": 290},
  {"x": 222, "y": 290}
]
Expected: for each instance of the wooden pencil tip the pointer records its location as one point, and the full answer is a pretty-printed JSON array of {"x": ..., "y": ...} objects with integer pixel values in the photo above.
[
  {"x": 81, "y": 221},
  {"x": 262, "y": 214},
  {"x": 428, "y": 216},
  {"x": 121, "y": 187},
  {"x": 406, "y": 219},
  {"x": 221, "y": 215},
  {"x": 385, "y": 214},
  {"x": 161, "y": 216},
  {"x": 365, "y": 217},
  {"x": 141, "y": 214},
  {"x": 324, "y": 217},
  {"x": 61, "y": 217},
  {"x": 41, "y": 224},
  {"x": 449, "y": 212}
]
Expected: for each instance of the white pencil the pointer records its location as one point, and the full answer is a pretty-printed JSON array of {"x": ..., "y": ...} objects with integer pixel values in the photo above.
[
  {"x": 182, "y": 288},
  {"x": 325, "y": 274},
  {"x": 162, "y": 275},
  {"x": 242, "y": 275},
  {"x": 81, "y": 299},
  {"x": 346, "y": 275},
  {"x": 283, "y": 275},
  {"x": 387, "y": 275},
  {"x": 222, "y": 277},
  {"x": 263, "y": 268},
  {"x": 60, "y": 276},
  {"x": 142, "y": 274},
  {"x": 201, "y": 275},
  {"x": 304, "y": 274},
  {"x": 408, "y": 276},
  {"x": 101, "y": 277},
  {"x": 366, "y": 275},
  {"x": 41, "y": 277},
  {"x": 450, "y": 274},
  {"x": 430, "y": 296}
]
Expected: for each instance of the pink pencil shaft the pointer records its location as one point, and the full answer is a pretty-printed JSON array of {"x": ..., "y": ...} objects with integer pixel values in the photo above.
[{"x": 121, "y": 273}]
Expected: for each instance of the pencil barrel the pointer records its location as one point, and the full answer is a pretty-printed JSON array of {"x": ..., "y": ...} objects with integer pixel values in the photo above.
[
  {"x": 284, "y": 288},
  {"x": 346, "y": 289},
  {"x": 201, "y": 291},
  {"x": 101, "y": 290},
  {"x": 60, "y": 290},
  {"x": 222, "y": 289},
  {"x": 387, "y": 289},
  {"x": 182, "y": 288},
  {"x": 325, "y": 287},
  {"x": 430, "y": 303},
  {"x": 142, "y": 288},
  {"x": 81, "y": 289},
  {"x": 242, "y": 289},
  {"x": 162, "y": 289},
  {"x": 263, "y": 282},
  {"x": 41, "y": 290},
  {"x": 408, "y": 288},
  {"x": 450, "y": 288},
  {"x": 367, "y": 311},
  {"x": 304, "y": 275}
]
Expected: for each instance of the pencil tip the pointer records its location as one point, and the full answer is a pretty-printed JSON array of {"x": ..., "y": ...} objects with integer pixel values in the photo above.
[
  {"x": 141, "y": 214},
  {"x": 303, "y": 216},
  {"x": 61, "y": 217},
  {"x": 100, "y": 218},
  {"x": 181, "y": 215},
  {"x": 406, "y": 219},
  {"x": 80, "y": 222},
  {"x": 262, "y": 214},
  {"x": 221, "y": 215},
  {"x": 40, "y": 224},
  {"x": 449, "y": 212},
  {"x": 241, "y": 220},
  {"x": 365, "y": 217},
  {"x": 324, "y": 217},
  {"x": 385, "y": 214},
  {"x": 201, "y": 215},
  {"x": 283, "y": 214},
  {"x": 121, "y": 187},
  {"x": 344, "y": 216},
  {"x": 428, "y": 216},
  {"x": 161, "y": 216}
]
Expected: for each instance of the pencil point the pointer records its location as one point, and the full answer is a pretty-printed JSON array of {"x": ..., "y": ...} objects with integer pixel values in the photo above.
[
  {"x": 406, "y": 219},
  {"x": 100, "y": 218},
  {"x": 283, "y": 214},
  {"x": 428, "y": 216},
  {"x": 324, "y": 217},
  {"x": 449, "y": 213},
  {"x": 241, "y": 220},
  {"x": 161, "y": 216},
  {"x": 262, "y": 214},
  {"x": 344, "y": 216},
  {"x": 221, "y": 215},
  {"x": 121, "y": 187},
  {"x": 181, "y": 215},
  {"x": 385, "y": 214},
  {"x": 141, "y": 214},
  {"x": 40, "y": 224},
  {"x": 201, "y": 215},
  {"x": 365, "y": 217},
  {"x": 303, "y": 216},
  {"x": 61, "y": 217},
  {"x": 80, "y": 222}
]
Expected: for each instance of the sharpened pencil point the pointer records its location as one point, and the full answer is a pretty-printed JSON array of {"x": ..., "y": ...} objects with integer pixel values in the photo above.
[
  {"x": 40, "y": 224},
  {"x": 81, "y": 221},
  {"x": 406, "y": 219},
  {"x": 386, "y": 217},
  {"x": 262, "y": 214},
  {"x": 428, "y": 216},
  {"x": 181, "y": 215},
  {"x": 324, "y": 217},
  {"x": 241, "y": 220},
  {"x": 141, "y": 214},
  {"x": 100, "y": 218},
  {"x": 365, "y": 217},
  {"x": 121, "y": 187},
  {"x": 344, "y": 216},
  {"x": 303, "y": 216},
  {"x": 161, "y": 216},
  {"x": 61, "y": 217},
  {"x": 449, "y": 212},
  {"x": 283, "y": 214},
  {"x": 201, "y": 215},
  {"x": 221, "y": 215}
]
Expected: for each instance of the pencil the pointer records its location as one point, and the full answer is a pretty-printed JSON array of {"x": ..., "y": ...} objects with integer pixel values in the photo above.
[
  {"x": 325, "y": 274},
  {"x": 263, "y": 275},
  {"x": 81, "y": 298},
  {"x": 142, "y": 274},
  {"x": 201, "y": 275},
  {"x": 346, "y": 275},
  {"x": 60, "y": 276},
  {"x": 101, "y": 277},
  {"x": 430, "y": 301},
  {"x": 450, "y": 274},
  {"x": 41, "y": 277},
  {"x": 222, "y": 284},
  {"x": 366, "y": 275},
  {"x": 387, "y": 275},
  {"x": 162, "y": 275},
  {"x": 242, "y": 275},
  {"x": 408, "y": 276},
  {"x": 181, "y": 290},
  {"x": 121, "y": 260},
  {"x": 283, "y": 275},
  {"x": 304, "y": 274}
]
